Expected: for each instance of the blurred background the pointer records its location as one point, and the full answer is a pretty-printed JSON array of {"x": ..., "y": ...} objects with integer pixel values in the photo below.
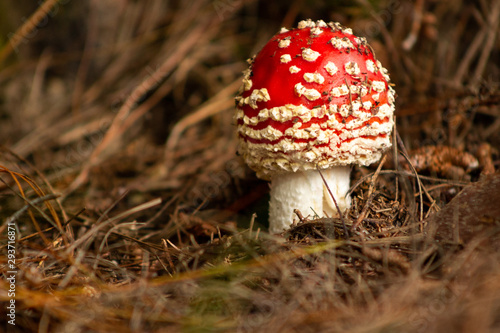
[
  {"x": 115, "y": 103},
  {"x": 114, "y": 95}
]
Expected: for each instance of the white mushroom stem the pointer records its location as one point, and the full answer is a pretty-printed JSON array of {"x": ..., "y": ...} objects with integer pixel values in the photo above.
[{"x": 306, "y": 191}]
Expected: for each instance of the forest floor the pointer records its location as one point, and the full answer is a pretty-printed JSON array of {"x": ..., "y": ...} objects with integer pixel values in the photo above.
[{"x": 125, "y": 207}]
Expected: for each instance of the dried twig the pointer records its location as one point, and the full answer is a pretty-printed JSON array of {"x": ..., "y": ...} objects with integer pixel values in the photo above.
[
  {"x": 341, "y": 215},
  {"x": 369, "y": 195},
  {"x": 418, "y": 14},
  {"x": 491, "y": 36},
  {"x": 29, "y": 25},
  {"x": 220, "y": 102},
  {"x": 119, "y": 124}
]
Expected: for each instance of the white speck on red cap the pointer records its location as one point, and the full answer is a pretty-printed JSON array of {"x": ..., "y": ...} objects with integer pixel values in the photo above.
[
  {"x": 306, "y": 24},
  {"x": 378, "y": 86},
  {"x": 355, "y": 89},
  {"x": 360, "y": 40},
  {"x": 331, "y": 68},
  {"x": 352, "y": 68},
  {"x": 370, "y": 65},
  {"x": 310, "y": 94},
  {"x": 340, "y": 91},
  {"x": 332, "y": 109},
  {"x": 384, "y": 71},
  {"x": 391, "y": 96},
  {"x": 285, "y": 58},
  {"x": 310, "y": 55},
  {"x": 316, "y": 31},
  {"x": 321, "y": 24},
  {"x": 342, "y": 43},
  {"x": 284, "y": 43},
  {"x": 314, "y": 77},
  {"x": 258, "y": 95},
  {"x": 339, "y": 27}
]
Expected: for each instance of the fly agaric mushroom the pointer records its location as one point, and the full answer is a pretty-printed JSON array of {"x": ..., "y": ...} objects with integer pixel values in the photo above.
[{"x": 314, "y": 98}]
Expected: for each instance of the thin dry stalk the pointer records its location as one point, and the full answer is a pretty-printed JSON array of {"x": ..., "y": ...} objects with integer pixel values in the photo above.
[
  {"x": 119, "y": 125},
  {"x": 492, "y": 24},
  {"x": 361, "y": 216},
  {"x": 218, "y": 103},
  {"x": 28, "y": 26},
  {"x": 341, "y": 215}
]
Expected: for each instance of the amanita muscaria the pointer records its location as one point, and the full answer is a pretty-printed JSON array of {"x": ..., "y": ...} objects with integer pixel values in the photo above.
[{"x": 314, "y": 97}]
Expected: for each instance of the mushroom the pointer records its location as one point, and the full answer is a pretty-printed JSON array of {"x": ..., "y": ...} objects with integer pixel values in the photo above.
[{"x": 314, "y": 98}]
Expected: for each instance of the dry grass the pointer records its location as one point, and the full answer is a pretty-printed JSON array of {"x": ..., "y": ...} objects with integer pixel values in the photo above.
[{"x": 132, "y": 212}]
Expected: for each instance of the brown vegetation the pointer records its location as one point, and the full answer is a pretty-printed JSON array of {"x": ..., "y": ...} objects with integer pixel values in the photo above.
[{"x": 132, "y": 213}]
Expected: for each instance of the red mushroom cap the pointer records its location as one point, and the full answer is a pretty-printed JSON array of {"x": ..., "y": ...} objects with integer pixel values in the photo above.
[{"x": 313, "y": 97}]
